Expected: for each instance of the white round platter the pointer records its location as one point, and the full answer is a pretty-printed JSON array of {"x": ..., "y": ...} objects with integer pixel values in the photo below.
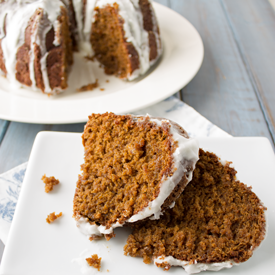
[{"x": 180, "y": 61}]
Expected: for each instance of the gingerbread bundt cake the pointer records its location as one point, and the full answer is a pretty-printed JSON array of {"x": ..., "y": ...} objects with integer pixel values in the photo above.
[
  {"x": 134, "y": 169},
  {"x": 38, "y": 37},
  {"x": 217, "y": 222}
]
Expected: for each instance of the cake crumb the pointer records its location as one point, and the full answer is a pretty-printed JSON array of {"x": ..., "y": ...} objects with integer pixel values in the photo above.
[
  {"x": 94, "y": 261},
  {"x": 108, "y": 270},
  {"x": 49, "y": 183},
  {"x": 90, "y": 58},
  {"x": 107, "y": 80},
  {"x": 88, "y": 87},
  {"x": 52, "y": 217},
  {"x": 102, "y": 89},
  {"x": 95, "y": 237}
]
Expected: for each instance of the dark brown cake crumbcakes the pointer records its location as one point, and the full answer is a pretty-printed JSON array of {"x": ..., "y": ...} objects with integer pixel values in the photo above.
[
  {"x": 52, "y": 217},
  {"x": 49, "y": 182},
  {"x": 217, "y": 219},
  {"x": 88, "y": 87},
  {"x": 130, "y": 171},
  {"x": 94, "y": 261}
]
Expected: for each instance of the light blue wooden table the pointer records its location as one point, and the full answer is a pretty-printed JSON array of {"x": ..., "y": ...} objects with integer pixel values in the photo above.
[{"x": 234, "y": 89}]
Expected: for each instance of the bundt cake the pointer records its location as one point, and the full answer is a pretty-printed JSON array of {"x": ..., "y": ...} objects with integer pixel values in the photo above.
[
  {"x": 38, "y": 37},
  {"x": 217, "y": 222},
  {"x": 134, "y": 169}
]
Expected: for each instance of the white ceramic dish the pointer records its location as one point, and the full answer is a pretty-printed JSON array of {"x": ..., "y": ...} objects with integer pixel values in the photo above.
[
  {"x": 35, "y": 247},
  {"x": 181, "y": 60}
]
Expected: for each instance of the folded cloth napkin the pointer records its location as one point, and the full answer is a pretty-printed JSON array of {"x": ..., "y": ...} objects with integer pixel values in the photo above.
[{"x": 171, "y": 108}]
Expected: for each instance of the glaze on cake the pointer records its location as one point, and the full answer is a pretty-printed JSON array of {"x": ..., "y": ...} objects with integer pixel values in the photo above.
[
  {"x": 216, "y": 223},
  {"x": 134, "y": 169},
  {"x": 123, "y": 36}
]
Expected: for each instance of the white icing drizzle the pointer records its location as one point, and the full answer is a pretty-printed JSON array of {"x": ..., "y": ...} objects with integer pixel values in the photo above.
[
  {"x": 193, "y": 268},
  {"x": 84, "y": 30},
  {"x": 89, "y": 229},
  {"x": 31, "y": 63},
  {"x": 172, "y": 204},
  {"x": 85, "y": 45},
  {"x": 188, "y": 149},
  {"x": 78, "y": 9},
  {"x": 18, "y": 13}
]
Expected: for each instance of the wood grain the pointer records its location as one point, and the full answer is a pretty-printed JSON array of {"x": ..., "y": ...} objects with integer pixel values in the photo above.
[
  {"x": 4, "y": 124},
  {"x": 253, "y": 25},
  {"x": 221, "y": 91}
]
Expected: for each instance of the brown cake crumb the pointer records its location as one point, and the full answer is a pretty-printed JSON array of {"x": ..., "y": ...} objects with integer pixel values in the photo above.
[
  {"x": 107, "y": 81},
  {"x": 49, "y": 183},
  {"x": 88, "y": 87},
  {"x": 102, "y": 89},
  {"x": 90, "y": 58},
  {"x": 95, "y": 237},
  {"x": 94, "y": 261},
  {"x": 52, "y": 217},
  {"x": 216, "y": 219}
]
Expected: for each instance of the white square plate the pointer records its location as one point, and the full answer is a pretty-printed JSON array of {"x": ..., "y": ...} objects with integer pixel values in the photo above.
[{"x": 36, "y": 247}]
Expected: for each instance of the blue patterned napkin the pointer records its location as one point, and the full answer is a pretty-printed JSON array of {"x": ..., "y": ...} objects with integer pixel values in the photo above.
[{"x": 171, "y": 108}]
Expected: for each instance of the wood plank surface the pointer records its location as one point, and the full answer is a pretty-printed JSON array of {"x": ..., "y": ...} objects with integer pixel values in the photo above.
[
  {"x": 166, "y": 3},
  {"x": 221, "y": 91},
  {"x": 253, "y": 25},
  {"x": 4, "y": 124}
]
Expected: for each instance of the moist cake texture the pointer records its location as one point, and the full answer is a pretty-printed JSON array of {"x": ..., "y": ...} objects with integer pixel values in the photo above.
[
  {"x": 135, "y": 167},
  {"x": 117, "y": 41},
  {"x": 122, "y": 35},
  {"x": 216, "y": 222}
]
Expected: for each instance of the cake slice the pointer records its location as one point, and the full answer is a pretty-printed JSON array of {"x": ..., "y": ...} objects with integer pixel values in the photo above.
[
  {"x": 135, "y": 168},
  {"x": 125, "y": 37},
  {"x": 216, "y": 223}
]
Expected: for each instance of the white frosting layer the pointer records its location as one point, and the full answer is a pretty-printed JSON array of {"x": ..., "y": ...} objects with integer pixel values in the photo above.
[
  {"x": 92, "y": 229},
  {"x": 196, "y": 267},
  {"x": 187, "y": 151}
]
